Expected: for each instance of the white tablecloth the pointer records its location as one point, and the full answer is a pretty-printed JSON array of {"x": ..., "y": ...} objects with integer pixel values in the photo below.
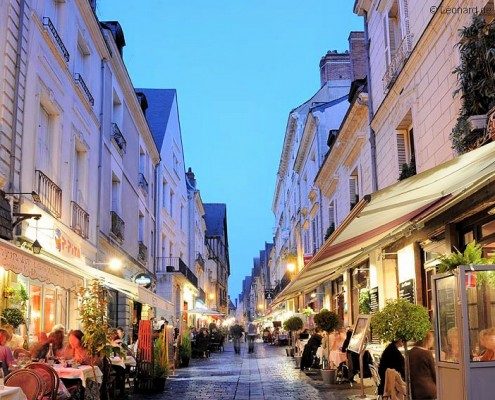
[
  {"x": 83, "y": 372},
  {"x": 12, "y": 393},
  {"x": 129, "y": 360}
]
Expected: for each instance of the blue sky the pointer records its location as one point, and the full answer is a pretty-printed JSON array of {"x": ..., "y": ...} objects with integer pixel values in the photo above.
[{"x": 239, "y": 67}]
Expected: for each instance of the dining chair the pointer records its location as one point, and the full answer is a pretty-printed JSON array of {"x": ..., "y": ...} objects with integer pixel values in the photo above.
[
  {"x": 21, "y": 351},
  {"x": 29, "y": 381},
  {"x": 49, "y": 377}
]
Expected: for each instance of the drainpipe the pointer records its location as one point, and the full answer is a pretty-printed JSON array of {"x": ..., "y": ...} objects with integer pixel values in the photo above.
[
  {"x": 100, "y": 151},
  {"x": 374, "y": 170},
  {"x": 17, "y": 79},
  {"x": 155, "y": 208}
]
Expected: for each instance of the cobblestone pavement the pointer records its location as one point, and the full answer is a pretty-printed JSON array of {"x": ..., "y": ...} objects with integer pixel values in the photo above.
[{"x": 268, "y": 374}]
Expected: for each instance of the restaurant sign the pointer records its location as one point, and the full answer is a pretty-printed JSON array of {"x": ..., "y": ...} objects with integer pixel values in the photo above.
[
  {"x": 143, "y": 279},
  {"x": 65, "y": 246}
]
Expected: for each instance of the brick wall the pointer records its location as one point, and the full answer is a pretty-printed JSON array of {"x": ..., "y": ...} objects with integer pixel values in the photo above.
[
  {"x": 335, "y": 66},
  {"x": 359, "y": 60}
]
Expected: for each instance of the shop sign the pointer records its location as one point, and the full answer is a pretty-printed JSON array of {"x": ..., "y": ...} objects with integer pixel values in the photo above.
[
  {"x": 406, "y": 290},
  {"x": 5, "y": 219},
  {"x": 269, "y": 294},
  {"x": 374, "y": 303},
  {"x": 65, "y": 246},
  {"x": 143, "y": 279}
]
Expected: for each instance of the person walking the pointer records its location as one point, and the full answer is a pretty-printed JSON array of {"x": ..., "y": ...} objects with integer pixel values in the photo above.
[
  {"x": 236, "y": 332},
  {"x": 251, "y": 335}
]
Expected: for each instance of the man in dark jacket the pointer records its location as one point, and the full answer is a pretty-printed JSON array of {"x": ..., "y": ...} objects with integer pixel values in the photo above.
[
  {"x": 391, "y": 358},
  {"x": 309, "y": 351}
]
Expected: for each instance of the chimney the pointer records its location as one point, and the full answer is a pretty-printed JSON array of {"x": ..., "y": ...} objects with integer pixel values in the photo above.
[
  {"x": 335, "y": 66},
  {"x": 117, "y": 33},
  {"x": 359, "y": 59},
  {"x": 191, "y": 178}
]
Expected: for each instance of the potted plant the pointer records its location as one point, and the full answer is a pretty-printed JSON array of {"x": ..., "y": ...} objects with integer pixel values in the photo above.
[
  {"x": 401, "y": 320},
  {"x": 93, "y": 316},
  {"x": 185, "y": 349},
  {"x": 473, "y": 254},
  {"x": 13, "y": 316},
  {"x": 328, "y": 321},
  {"x": 160, "y": 364},
  {"x": 476, "y": 76},
  {"x": 292, "y": 324}
]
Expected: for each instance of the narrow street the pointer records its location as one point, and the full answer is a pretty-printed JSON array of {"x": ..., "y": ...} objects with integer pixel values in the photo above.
[{"x": 268, "y": 374}]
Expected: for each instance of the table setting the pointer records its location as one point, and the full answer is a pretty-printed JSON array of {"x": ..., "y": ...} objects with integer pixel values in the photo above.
[{"x": 12, "y": 393}]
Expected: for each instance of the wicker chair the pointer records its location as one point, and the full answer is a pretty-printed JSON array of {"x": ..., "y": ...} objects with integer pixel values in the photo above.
[
  {"x": 29, "y": 381},
  {"x": 50, "y": 379},
  {"x": 19, "y": 351}
]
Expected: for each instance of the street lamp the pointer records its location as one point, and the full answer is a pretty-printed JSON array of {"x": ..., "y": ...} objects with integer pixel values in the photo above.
[
  {"x": 114, "y": 264},
  {"x": 36, "y": 247},
  {"x": 291, "y": 267}
]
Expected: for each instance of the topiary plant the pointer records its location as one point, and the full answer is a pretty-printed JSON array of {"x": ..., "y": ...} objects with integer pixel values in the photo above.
[
  {"x": 13, "y": 316},
  {"x": 293, "y": 324},
  {"x": 401, "y": 320},
  {"x": 327, "y": 321}
]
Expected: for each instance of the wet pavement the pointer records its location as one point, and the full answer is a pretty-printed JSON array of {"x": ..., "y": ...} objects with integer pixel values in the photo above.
[{"x": 268, "y": 374}]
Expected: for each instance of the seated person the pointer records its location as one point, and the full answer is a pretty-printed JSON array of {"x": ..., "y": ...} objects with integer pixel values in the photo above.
[
  {"x": 75, "y": 350},
  {"x": 422, "y": 369},
  {"x": 309, "y": 351},
  {"x": 452, "y": 353},
  {"x": 487, "y": 340},
  {"x": 6, "y": 356},
  {"x": 304, "y": 335},
  {"x": 391, "y": 358},
  {"x": 56, "y": 339}
]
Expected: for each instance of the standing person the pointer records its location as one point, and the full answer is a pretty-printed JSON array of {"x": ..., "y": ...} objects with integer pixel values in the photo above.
[
  {"x": 391, "y": 358},
  {"x": 251, "y": 335},
  {"x": 236, "y": 331},
  {"x": 6, "y": 356},
  {"x": 422, "y": 367}
]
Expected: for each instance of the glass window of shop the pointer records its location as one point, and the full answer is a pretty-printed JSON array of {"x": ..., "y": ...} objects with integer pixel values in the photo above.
[
  {"x": 338, "y": 296},
  {"x": 48, "y": 305},
  {"x": 360, "y": 290}
]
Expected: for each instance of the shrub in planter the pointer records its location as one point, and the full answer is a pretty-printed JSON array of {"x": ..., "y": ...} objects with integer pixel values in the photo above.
[
  {"x": 160, "y": 364},
  {"x": 293, "y": 324},
  {"x": 401, "y": 320},
  {"x": 327, "y": 321},
  {"x": 13, "y": 316},
  {"x": 185, "y": 348}
]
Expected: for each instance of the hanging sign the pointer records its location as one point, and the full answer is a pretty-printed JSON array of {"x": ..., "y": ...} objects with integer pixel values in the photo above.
[{"x": 144, "y": 279}]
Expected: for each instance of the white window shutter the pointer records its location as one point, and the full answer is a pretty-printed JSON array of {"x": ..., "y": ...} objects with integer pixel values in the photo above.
[
  {"x": 331, "y": 214},
  {"x": 386, "y": 40},
  {"x": 401, "y": 150},
  {"x": 353, "y": 188}
]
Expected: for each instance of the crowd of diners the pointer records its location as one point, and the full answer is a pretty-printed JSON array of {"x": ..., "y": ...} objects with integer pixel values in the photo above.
[{"x": 67, "y": 348}]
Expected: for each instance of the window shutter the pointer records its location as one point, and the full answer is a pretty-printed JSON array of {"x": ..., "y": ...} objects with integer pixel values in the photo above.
[
  {"x": 392, "y": 35},
  {"x": 43, "y": 142},
  {"x": 331, "y": 215},
  {"x": 386, "y": 40},
  {"x": 353, "y": 189},
  {"x": 401, "y": 150}
]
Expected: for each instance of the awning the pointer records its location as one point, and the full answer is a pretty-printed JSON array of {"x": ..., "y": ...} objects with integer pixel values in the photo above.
[
  {"x": 390, "y": 213},
  {"x": 23, "y": 262},
  {"x": 132, "y": 290},
  {"x": 205, "y": 311}
]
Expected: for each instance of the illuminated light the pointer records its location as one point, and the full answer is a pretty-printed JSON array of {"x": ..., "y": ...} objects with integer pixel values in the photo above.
[
  {"x": 115, "y": 264},
  {"x": 291, "y": 267},
  {"x": 261, "y": 306},
  {"x": 313, "y": 295},
  {"x": 211, "y": 296}
]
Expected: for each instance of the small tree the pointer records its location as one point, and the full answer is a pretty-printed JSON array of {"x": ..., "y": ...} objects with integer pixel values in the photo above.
[
  {"x": 401, "y": 320},
  {"x": 327, "y": 321}
]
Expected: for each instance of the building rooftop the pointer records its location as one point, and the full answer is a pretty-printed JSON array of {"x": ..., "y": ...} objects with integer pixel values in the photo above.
[{"x": 215, "y": 218}]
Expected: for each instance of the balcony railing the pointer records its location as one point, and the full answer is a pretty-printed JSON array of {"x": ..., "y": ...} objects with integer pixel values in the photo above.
[
  {"x": 175, "y": 264},
  {"x": 118, "y": 226},
  {"x": 143, "y": 183},
  {"x": 78, "y": 78},
  {"x": 118, "y": 139},
  {"x": 143, "y": 253},
  {"x": 398, "y": 59},
  {"x": 47, "y": 23},
  {"x": 80, "y": 220},
  {"x": 50, "y": 194},
  {"x": 202, "y": 295}
]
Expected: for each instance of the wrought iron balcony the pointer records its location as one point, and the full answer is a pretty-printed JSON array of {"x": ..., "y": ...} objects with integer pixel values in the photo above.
[
  {"x": 397, "y": 61},
  {"x": 175, "y": 264},
  {"x": 143, "y": 253},
  {"x": 78, "y": 78},
  {"x": 143, "y": 183},
  {"x": 80, "y": 220},
  {"x": 50, "y": 194},
  {"x": 202, "y": 295},
  {"x": 118, "y": 226},
  {"x": 47, "y": 23},
  {"x": 118, "y": 139}
]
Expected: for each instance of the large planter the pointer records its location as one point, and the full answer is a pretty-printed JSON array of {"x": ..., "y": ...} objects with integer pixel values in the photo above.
[
  {"x": 297, "y": 359},
  {"x": 328, "y": 376},
  {"x": 159, "y": 385},
  {"x": 184, "y": 362}
]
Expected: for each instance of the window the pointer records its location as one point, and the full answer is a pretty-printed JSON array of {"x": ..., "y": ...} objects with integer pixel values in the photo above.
[
  {"x": 314, "y": 231},
  {"x": 176, "y": 163},
  {"x": 171, "y": 203},
  {"x": 152, "y": 244},
  {"x": 80, "y": 173},
  {"x": 117, "y": 110},
  {"x": 405, "y": 149},
  {"x": 181, "y": 216},
  {"x": 82, "y": 60},
  {"x": 354, "y": 189},
  {"x": 331, "y": 215},
  {"x": 141, "y": 228},
  {"x": 142, "y": 162},
  {"x": 306, "y": 242},
  {"x": 116, "y": 194},
  {"x": 170, "y": 249},
  {"x": 164, "y": 194},
  {"x": 45, "y": 143},
  {"x": 392, "y": 32}
]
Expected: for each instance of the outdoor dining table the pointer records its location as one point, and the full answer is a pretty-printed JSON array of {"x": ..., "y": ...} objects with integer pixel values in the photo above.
[
  {"x": 82, "y": 372},
  {"x": 12, "y": 393},
  {"x": 123, "y": 362}
]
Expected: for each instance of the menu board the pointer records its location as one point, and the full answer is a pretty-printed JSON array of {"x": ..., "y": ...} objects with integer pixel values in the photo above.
[
  {"x": 374, "y": 303},
  {"x": 406, "y": 290},
  {"x": 357, "y": 342}
]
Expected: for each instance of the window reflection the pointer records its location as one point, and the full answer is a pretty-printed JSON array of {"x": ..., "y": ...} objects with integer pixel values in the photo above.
[{"x": 447, "y": 327}]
